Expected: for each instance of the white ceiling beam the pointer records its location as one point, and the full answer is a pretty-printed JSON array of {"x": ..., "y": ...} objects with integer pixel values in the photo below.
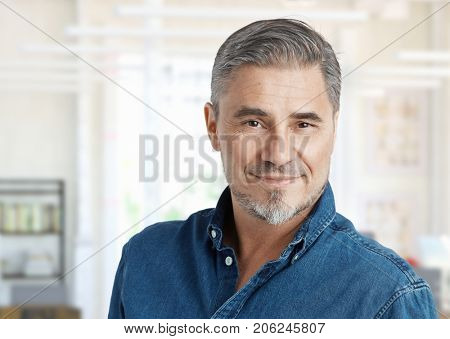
[
  {"x": 68, "y": 66},
  {"x": 95, "y": 31},
  {"x": 84, "y": 49},
  {"x": 38, "y": 76},
  {"x": 53, "y": 88},
  {"x": 424, "y": 56},
  {"x": 437, "y": 72},
  {"x": 402, "y": 83},
  {"x": 239, "y": 13}
]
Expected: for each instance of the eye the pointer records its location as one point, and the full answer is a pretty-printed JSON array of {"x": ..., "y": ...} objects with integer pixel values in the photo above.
[
  {"x": 252, "y": 123},
  {"x": 304, "y": 125}
]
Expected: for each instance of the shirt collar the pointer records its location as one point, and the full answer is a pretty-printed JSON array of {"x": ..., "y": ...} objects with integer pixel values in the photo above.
[{"x": 318, "y": 219}]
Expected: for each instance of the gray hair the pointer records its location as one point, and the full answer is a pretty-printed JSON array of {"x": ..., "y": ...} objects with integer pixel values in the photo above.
[{"x": 276, "y": 42}]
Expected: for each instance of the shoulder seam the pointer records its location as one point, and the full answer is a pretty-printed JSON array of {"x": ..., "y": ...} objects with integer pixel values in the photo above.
[{"x": 406, "y": 289}]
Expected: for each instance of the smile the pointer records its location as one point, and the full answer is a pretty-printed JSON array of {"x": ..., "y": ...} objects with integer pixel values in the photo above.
[{"x": 277, "y": 181}]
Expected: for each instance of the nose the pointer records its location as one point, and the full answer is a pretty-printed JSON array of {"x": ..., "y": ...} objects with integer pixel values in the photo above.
[{"x": 277, "y": 149}]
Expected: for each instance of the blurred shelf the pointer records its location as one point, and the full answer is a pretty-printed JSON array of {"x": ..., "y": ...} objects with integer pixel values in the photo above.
[
  {"x": 32, "y": 220},
  {"x": 40, "y": 312},
  {"x": 29, "y": 277},
  {"x": 28, "y": 233},
  {"x": 35, "y": 192}
]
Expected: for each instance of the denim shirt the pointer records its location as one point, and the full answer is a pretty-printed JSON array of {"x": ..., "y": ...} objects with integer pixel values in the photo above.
[{"x": 181, "y": 269}]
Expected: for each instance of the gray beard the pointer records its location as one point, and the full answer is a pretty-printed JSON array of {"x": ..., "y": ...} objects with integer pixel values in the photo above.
[{"x": 274, "y": 211}]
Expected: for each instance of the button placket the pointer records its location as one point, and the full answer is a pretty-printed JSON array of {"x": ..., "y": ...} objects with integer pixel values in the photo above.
[{"x": 297, "y": 249}]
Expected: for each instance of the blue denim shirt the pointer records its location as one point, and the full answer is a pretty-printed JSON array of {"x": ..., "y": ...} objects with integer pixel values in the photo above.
[{"x": 181, "y": 269}]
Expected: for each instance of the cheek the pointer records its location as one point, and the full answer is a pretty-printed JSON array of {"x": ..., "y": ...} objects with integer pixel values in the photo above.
[
  {"x": 316, "y": 155},
  {"x": 237, "y": 152},
  {"x": 244, "y": 149}
]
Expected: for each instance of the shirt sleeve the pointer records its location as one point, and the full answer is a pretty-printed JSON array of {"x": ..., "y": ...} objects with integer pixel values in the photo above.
[
  {"x": 116, "y": 309},
  {"x": 416, "y": 303}
]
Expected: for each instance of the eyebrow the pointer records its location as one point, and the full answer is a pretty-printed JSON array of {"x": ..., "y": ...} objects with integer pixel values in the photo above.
[{"x": 245, "y": 111}]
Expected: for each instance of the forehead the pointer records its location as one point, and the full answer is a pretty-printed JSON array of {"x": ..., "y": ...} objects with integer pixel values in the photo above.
[{"x": 276, "y": 89}]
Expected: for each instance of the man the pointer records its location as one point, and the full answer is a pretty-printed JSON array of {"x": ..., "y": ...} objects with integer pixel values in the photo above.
[{"x": 274, "y": 246}]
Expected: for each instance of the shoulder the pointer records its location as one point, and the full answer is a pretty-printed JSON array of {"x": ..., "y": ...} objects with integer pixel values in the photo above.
[
  {"x": 169, "y": 233},
  {"x": 391, "y": 276},
  {"x": 372, "y": 252}
]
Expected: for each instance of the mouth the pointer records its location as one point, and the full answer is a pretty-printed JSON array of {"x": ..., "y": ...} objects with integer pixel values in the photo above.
[{"x": 278, "y": 181}]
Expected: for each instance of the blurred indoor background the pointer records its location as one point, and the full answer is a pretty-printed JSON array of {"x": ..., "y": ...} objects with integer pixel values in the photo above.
[{"x": 85, "y": 84}]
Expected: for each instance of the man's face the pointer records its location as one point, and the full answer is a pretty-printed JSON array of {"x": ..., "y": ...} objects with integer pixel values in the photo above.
[{"x": 275, "y": 131}]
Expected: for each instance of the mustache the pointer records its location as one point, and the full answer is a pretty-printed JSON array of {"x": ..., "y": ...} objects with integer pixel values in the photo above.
[{"x": 268, "y": 168}]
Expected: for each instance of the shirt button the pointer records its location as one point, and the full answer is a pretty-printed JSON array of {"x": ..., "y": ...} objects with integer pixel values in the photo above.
[
  {"x": 213, "y": 234},
  {"x": 228, "y": 261}
]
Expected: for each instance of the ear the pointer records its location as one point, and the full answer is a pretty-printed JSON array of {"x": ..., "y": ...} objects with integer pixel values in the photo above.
[{"x": 211, "y": 125}]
